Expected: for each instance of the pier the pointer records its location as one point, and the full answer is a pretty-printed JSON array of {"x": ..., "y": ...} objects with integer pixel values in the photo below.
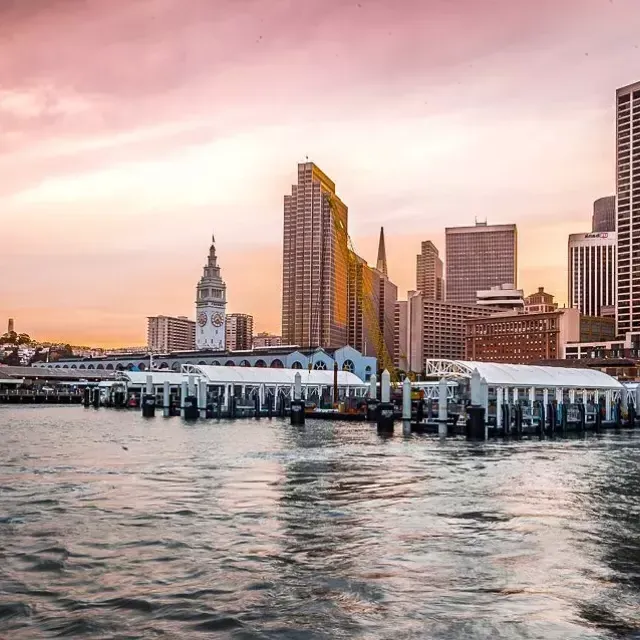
[{"x": 34, "y": 385}]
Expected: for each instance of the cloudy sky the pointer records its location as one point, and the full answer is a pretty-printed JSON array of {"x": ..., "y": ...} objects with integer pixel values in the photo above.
[{"x": 130, "y": 130}]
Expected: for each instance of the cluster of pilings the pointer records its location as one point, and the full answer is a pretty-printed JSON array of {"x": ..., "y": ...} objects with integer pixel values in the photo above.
[
  {"x": 542, "y": 420},
  {"x": 194, "y": 404}
]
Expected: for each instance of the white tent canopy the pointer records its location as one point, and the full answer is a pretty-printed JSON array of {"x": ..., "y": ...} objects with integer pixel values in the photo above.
[
  {"x": 267, "y": 376},
  {"x": 524, "y": 376},
  {"x": 139, "y": 378}
]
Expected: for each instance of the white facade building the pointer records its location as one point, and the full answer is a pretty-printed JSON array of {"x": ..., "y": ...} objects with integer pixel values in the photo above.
[
  {"x": 211, "y": 301},
  {"x": 592, "y": 271},
  {"x": 504, "y": 296}
]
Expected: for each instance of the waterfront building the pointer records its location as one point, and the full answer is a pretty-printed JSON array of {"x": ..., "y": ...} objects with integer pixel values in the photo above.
[
  {"x": 169, "y": 333},
  {"x": 265, "y": 339},
  {"x": 541, "y": 333},
  {"x": 628, "y": 208},
  {"x": 604, "y": 215},
  {"x": 239, "y": 331},
  {"x": 315, "y": 256},
  {"x": 429, "y": 272},
  {"x": 478, "y": 258},
  {"x": 285, "y": 357},
  {"x": 437, "y": 329},
  {"x": 592, "y": 271},
  {"x": 211, "y": 302},
  {"x": 505, "y": 297},
  {"x": 618, "y": 348}
]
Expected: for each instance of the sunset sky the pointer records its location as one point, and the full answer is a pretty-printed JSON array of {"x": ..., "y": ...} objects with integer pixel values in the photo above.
[{"x": 130, "y": 130}]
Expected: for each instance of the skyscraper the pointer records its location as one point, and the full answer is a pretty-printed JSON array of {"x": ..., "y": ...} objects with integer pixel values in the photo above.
[
  {"x": 478, "y": 258},
  {"x": 381, "y": 263},
  {"x": 628, "y": 208},
  {"x": 592, "y": 271},
  {"x": 239, "y": 331},
  {"x": 315, "y": 255},
  {"x": 429, "y": 269},
  {"x": 211, "y": 300},
  {"x": 371, "y": 300},
  {"x": 363, "y": 296},
  {"x": 400, "y": 334},
  {"x": 604, "y": 214}
]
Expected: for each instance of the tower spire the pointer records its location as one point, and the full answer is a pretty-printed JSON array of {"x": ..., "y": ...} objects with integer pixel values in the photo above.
[
  {"x": 381, "y": 264},
  {"x": 211, "y": 300}
]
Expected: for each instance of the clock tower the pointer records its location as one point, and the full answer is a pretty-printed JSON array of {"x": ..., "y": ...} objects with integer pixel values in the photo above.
[{"x": 211, "y": 300}]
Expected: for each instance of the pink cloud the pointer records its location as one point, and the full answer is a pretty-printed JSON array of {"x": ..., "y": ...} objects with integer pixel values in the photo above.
[{"x": 130, "y": 130}]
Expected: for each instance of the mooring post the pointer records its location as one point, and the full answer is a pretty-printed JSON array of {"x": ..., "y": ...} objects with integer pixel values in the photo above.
[
  {"x": 166, "y": 398},
  {"x": 148, "y": 399},
  {"x": 183, "y": 397},
  {"x": 297, "y": 404},
  {"x": 406, "y": 406},
  {"x": 269, "y": 406},
  {"x": 372, "y": 400},
  {"x": 443, "y": 410},
  {"x": 385, "y": 417},
  {"x": 202, "y": 398}
]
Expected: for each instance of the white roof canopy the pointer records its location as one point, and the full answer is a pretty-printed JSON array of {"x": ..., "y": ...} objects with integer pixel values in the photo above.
[
  {"x": 159, "y": 377},
  {"x": 523, "y": 375},
  {"x": 266, "y": 375}
]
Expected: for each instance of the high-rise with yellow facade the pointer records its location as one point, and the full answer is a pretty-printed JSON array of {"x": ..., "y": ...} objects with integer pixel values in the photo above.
[{"x": 315, "y": 262}]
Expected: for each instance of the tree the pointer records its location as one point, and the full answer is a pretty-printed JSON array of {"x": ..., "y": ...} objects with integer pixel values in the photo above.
[
  {"x": 10, "y": 337},
  {"x": 23, "y": 338},
  {"x": 60, "y": 351},
  {"x": 38, "y": 356},
  {"x": 12, "y": 358}
]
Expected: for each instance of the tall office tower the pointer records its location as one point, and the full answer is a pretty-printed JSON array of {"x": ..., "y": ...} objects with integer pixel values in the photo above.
[
  {"x": 314, "y": 273},
  {"x": 592, "y": 271},
  {"x": 211, "y": 301},
  {"x": 429, "y": 270},
  {"x": 478, "y": 258},
  {"x": 363, "y": 296},
  {"x": 604, "y": 214},
  {"x": 628, "y": 208},
  {"x": 239, "y": 332},
  {"x": 167, "y": 333}
]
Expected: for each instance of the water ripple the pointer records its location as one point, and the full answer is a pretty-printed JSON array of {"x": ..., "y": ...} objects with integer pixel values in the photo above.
[{"x": 261, "y": 530}]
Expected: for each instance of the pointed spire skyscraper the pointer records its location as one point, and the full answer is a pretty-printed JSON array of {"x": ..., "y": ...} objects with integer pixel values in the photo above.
[{"x": 381, "y": 264}]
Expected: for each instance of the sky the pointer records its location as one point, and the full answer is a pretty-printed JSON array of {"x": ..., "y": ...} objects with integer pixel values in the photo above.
[{"x": 131, "y": 130}]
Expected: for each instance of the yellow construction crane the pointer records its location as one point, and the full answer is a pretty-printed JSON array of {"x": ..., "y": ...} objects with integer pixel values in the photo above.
[{"x": 364, "y": 294}]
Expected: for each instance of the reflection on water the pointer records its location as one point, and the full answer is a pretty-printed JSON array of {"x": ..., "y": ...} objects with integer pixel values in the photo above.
[{"x": 261, "y": 530}]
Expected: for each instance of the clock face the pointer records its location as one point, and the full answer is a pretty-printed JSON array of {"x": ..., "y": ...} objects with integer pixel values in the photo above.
[
  {"x": 217, "y": 319},
  {"x": 202, "y": 319}
]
